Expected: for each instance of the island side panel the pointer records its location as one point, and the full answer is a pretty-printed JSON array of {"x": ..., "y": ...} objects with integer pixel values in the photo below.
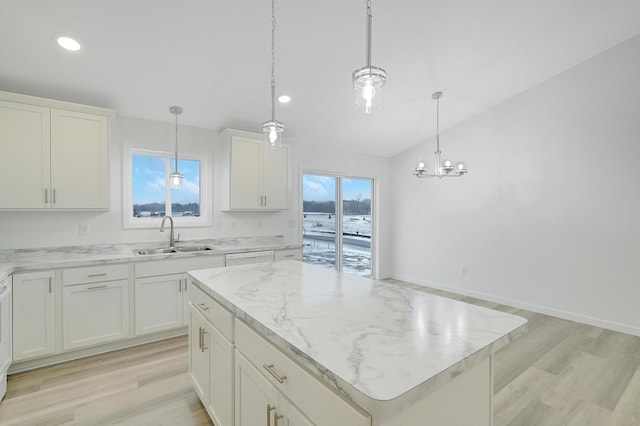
[{"x": 465, "y": 400}]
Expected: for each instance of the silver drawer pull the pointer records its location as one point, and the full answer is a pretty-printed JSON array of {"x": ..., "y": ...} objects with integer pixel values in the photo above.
[
  {"x": 289, "y": 255},
  {"x": 97, "y": 287},
  {"x": 269, "y": 368},
  {"x": 104, "y": 274},
  {"x": 203, "y": 306}
]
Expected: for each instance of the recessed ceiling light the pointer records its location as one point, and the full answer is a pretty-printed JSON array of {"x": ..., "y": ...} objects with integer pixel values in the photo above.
[
  {"x": 284, "y": 99},
  {"x": 68, "y": 43}
]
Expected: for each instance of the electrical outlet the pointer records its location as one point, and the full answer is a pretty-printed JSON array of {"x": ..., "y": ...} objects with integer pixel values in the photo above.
[
  {"x": 464, "y": 270},
  {"x": 83, "y": 229}
]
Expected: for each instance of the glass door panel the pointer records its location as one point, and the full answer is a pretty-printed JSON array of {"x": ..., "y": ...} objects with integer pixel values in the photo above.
[
  {"x": 319, "y": 220},
  {"x": 356, "y": 225}
]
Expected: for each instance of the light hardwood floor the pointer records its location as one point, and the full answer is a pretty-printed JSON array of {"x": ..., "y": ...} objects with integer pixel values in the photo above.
[{"x": 559, "y": 373}]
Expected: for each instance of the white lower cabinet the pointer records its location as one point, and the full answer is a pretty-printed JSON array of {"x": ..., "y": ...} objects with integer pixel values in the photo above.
[
  {"x": 256, "y": 383},
  {"x": 34, "y": 315},
  {"x": 95, "y": 313},
  {"x": 162, "y": 292},
  {"x": 211, "y": 368},
  {"x": 160, "y": 303},
  {"x": 258, "y": 402},
  {"x": 301, "y": 396}
]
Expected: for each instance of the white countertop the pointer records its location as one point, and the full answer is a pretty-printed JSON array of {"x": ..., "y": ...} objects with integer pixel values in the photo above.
[
  {"x": 357, "y": 334},
  {"x": 33, "y": 259}
]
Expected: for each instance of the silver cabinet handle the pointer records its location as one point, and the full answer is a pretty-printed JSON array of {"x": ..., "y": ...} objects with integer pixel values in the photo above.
[
  {"x": 180, "y": 285},
  {"x": 204, "y": 347},
  {"x": 49, "y": 285},
  {"x": 97, "y": 287},
  {"x": 203, "y": 306},
  {"x": 265, "y": 203},
  {"x": 104, "y": 274},
  {"x": 200, "y": 338},
  {"x": 53, "y": 196},
  {"x": 46, "y": 195},
  {"x": 270, "y": 408},
  {"x": 185, "y": 284},
  {"x": 277, "y": 417},
  {"x": 269, "y": 368},
  {"x": 289, "y": 255}
]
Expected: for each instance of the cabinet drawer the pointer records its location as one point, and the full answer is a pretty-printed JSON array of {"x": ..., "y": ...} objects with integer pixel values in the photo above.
[
  {"x": 177, "y": 266},
  {"x": 95, "y": 274},
  {"x": 288, "y": 254},
  {"x": 214, "y": 312},
  {"x": 322, "y": 405}
]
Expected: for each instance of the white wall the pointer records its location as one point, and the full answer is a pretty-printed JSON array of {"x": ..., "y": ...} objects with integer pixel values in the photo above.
[
  {"x": 51, "y": 228},
  {"x": 548, "y": 217}
]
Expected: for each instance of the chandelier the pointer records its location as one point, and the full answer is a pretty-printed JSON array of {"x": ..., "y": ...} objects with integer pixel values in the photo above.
[
  {"x": 368, "y": 80},
  {"x": 441, "y": 168},
  {"x": 273, "y": 129},
  {"x": 175, "y": 178}
]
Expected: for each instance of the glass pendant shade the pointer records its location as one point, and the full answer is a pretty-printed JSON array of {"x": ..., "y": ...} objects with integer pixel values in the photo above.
[
  {"x": 367, "y": 83},
  {"x": 273, "y": 133},
  {"x": 368, "y": 80},
  {"x": 175, "y": 180}
]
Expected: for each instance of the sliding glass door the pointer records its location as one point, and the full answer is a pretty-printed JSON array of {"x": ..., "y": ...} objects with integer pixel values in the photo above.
[{"x": 337, "y": 222}]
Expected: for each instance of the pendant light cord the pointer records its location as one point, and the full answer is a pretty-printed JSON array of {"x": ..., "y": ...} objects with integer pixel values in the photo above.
[
  {"x": 176, "y": 158},
  {"x": 273, "y": 60},
  {"x": 369, "y": 19}
]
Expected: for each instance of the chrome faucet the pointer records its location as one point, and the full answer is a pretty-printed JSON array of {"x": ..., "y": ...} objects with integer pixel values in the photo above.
[{"x": 172, "y": 241}]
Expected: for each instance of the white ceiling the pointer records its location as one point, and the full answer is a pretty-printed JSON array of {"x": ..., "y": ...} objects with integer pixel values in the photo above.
[{"x": 212, "y": 57}]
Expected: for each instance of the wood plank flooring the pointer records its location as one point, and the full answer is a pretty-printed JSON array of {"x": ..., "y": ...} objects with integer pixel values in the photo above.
[{"x": 559, "y": 373}]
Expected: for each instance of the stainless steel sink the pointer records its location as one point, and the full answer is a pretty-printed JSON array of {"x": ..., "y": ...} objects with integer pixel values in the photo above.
[
  {"x": 169, "y": 250},
  {"x": 188, "y": 249},
  {"x": 150, "y": 251}
]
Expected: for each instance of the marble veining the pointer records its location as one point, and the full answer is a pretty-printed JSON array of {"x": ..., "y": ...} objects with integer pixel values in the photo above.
[
  {"x": 32, "y": 259},
  {"x": 360, "y": 335}
]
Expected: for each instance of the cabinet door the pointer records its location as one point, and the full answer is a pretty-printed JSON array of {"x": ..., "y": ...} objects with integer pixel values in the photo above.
[
  {"x": 24, "y": 143},
  {"x": 198, "y": 355},
  {"x": 276, "y": 182},
  {"x": 34, "y": 317},
  {"x": 245, "y": 186},
  {"x": 292, "y": 415},
  {"x": 158, "y": 303},
  {"x": 95, "y": 313},
  {"x": 256, "y": 399},
  {"x": 220, "y": 377},
  {"x": 79, "y": 160}
]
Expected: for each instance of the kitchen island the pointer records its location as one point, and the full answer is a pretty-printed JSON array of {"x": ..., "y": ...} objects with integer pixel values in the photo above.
[{"x": 392, "y": 355}]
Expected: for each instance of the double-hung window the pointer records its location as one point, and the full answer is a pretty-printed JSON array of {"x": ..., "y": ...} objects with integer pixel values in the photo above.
[{"x": 148, "y": 196}]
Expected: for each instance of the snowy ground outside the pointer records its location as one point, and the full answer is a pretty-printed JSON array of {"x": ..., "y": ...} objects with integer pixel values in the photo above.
[{"x": 319, "y": 242}]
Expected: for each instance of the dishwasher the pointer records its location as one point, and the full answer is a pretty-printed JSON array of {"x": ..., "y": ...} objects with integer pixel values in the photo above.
[{"x": 248, "y": 257}]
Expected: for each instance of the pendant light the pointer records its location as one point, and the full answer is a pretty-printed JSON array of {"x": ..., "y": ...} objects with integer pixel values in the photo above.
[
  {"x": 368, "y": 80},
  {"x": 175, "y": 178},
  {"x": 441, "y": 169},
  {"x": 273, "y": 129}
]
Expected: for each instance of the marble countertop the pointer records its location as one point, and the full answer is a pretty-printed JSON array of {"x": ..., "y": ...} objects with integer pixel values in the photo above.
[
  {"x": 360, "y": 335},
  {"x": 21, "y": 260}
]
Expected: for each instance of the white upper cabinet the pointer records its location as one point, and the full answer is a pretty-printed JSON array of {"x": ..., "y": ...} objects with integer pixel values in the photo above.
[
  {"x": 254, "y": 177},
  {"x": 57, "y": 154},
  {"x": 79, "y": 160},
  {"x": 24, "y": 163}
]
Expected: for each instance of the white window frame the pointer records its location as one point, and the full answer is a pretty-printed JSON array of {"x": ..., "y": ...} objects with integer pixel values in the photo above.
[{"x": 206, "y": 193}]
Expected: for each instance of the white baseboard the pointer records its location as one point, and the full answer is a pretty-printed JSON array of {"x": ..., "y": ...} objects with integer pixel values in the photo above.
[{"x": 571, "y": 316}]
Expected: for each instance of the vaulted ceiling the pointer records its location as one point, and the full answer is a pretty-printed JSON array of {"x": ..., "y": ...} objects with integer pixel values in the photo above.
[{"x": 212, "y": 57}]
